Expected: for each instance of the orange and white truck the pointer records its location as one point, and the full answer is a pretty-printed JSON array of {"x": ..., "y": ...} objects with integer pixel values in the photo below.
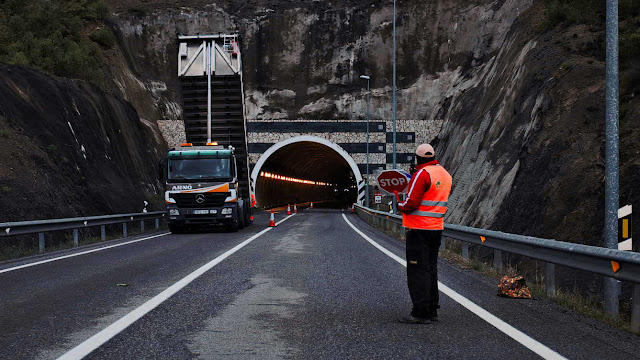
[{"x": 207, "y": 178}]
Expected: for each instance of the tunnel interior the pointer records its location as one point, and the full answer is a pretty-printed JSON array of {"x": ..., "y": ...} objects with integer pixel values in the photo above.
[{"x": 304, "y": 172}]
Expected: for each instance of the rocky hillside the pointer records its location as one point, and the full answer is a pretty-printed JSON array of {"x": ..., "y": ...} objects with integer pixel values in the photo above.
[
  {"x": 69, "y": 149},
  {"x": 518, "y": 85},
  {"x": 521, "y": 97}
]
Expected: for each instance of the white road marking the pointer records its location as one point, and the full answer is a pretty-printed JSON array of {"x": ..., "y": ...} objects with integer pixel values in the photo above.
[
  {"x": 509, "y": 330},
  {"x": 80, "y": 253},
  {"x": 97, "y": 340}
]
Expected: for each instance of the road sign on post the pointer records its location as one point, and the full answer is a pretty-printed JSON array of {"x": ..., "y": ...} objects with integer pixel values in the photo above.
[
  {"x": 377, "y": 198},
  {"x": 393, "y": 180},
  {"x": 625, "y": 241}
]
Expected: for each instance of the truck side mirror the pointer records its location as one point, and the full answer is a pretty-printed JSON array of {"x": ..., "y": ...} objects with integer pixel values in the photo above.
[{"x": 162, "y": 169}]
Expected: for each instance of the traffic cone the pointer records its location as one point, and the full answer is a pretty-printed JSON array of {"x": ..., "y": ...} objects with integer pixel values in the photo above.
[
  {"x": 311, "y": 207},
  {"x": 288, "y": 209},
  {"x": 251, "y": 218},
  {"x": 272, "y": 220},
  {"x": 295, "y": 209},
  {"x": 353, "y": 208}
]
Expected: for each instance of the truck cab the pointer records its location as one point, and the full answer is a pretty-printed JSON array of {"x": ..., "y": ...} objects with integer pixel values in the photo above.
[{"x": 201, "y": 188}]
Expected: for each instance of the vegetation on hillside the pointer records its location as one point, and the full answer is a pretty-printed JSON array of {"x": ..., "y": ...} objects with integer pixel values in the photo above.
[
  {"x": 54, "y": 36},
  {"x": 593, "y": 12}
]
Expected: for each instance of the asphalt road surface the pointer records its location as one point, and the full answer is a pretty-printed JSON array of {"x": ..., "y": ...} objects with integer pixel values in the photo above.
[{"x": 312, "y": 287}]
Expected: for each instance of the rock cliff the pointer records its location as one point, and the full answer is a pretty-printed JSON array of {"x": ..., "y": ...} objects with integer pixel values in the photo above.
[
  {"x": 522, "y": 105},
  {"x": 69, "y": 149}
]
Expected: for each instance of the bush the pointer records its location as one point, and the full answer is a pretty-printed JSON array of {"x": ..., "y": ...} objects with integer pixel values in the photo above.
[
  {"x": 567, "y": 65},
  {"x": 48, "y": 35},
  {"x": 104, "y": 37},
  {"x": 629, "y": 46},
  {"x": 573, "y": 11},
  {"x": 586, "y": 11}
]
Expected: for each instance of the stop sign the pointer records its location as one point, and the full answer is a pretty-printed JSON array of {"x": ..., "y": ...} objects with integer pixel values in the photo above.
[{"x": 393, "y": 180}]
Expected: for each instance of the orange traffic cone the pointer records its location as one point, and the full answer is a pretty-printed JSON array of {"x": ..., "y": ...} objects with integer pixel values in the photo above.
[
  {"x": 272, "y": 220},
  {"x": 288, "y": 209},
  {"x": 353, "y": 208},
  {"x": 311, "y": 207},
  {"x": 295, "y": 209},
  {"x": 251, "y": 218}
]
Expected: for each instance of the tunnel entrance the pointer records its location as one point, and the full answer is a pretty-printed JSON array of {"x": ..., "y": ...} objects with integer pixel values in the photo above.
[{"x": 306, "y": 169}]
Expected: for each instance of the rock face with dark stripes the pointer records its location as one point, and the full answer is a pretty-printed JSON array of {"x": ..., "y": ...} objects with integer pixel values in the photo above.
[
  {"x": 69, "y": 149},
  {"x": 518, "y": 108}
]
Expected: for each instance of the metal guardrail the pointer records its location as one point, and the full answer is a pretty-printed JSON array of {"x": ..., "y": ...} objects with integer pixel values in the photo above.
[
  {"x": 42, "y": 226},
  {"x": 621, "y": 265},
  {"x": 584, "y": 257}
]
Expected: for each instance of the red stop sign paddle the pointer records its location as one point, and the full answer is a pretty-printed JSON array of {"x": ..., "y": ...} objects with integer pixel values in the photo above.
[{"x": 393, "y": 180}]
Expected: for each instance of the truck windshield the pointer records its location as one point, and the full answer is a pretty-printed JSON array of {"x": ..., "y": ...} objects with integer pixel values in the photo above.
[{"x": 200, "y": 169}]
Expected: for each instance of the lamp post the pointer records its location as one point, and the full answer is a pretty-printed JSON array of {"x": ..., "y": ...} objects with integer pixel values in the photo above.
[
  {"x": 394, "y": 86},
  {"x": 394, "y": 200},
  {"x": 611, "y": 151},
  {"x": 368, "y": 78}
]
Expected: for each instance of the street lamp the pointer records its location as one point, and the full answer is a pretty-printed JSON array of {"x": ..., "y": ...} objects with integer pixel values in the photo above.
[
  {"x": 395, "y": 203},
  {"x": 394, "y": 86},
  {"x": 368, "y": 78},
  {"x": 612, "y": 171}
]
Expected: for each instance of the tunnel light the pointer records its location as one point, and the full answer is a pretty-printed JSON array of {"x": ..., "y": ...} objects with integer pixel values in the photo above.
[{"x": 269, "y": 175}]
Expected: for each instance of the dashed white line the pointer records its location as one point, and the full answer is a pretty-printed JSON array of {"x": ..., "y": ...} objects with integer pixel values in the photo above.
[
  {"x": 97, "y": 340},
  {"x": 80, "y": 253},
  {"x": 509, "y": 330}
]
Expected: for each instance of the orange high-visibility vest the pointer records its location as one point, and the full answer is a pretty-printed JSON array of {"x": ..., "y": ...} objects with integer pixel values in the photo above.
[{"x": 430, "y": 213}]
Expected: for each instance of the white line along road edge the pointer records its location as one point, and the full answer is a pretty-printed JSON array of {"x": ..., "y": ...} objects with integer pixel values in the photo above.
[
  {"x": 97, "y": 340},
  {"x": 80, "y": 253},
  {"x": 509, "y": 330}
]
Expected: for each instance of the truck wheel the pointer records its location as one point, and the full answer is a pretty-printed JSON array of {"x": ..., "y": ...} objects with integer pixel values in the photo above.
[
  {"x": 175, "y": 229},
  {"x": 235, "y": 226},
  {"x": 247, "y": 215},
  {"x": 242, "y": 212}
]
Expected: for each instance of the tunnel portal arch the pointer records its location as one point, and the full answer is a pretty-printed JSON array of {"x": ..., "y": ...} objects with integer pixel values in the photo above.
[{"x": 314, "y": 139}]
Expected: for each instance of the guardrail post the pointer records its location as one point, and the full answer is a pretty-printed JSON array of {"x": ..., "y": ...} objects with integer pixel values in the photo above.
[
  {"x": 497, "y": 260},
  {"x": 124, "y": 229},
  {"x": 550, "y": 279},
  {"x": 41, "y": 242},
  {"x": 157, "y": 224},
  {"x": 635, "y": 309},
  {"x": 76, "y": 242},
  {"x": 103, "y": 233},
  {"x": 465, "y": 250},
  {"x": 141, "y": 226}
]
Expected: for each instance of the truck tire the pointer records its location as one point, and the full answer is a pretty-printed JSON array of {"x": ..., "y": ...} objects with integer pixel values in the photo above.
[
  {"x": 235, "y": 226},
  {"x": 242, "y": 212},
  {"x": 176, "y": 229}
]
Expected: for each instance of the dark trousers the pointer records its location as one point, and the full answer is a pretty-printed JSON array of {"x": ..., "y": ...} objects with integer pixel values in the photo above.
[{"x": 422, "y": 269}]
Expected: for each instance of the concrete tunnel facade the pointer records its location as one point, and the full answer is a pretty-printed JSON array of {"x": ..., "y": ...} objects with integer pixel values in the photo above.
[{"x": 306, "y": 169}]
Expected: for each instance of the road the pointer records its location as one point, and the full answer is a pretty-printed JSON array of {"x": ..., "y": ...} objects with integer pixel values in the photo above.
[{"x": 310, "y": 288}]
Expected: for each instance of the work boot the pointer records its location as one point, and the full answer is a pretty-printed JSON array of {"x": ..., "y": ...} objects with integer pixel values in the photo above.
[
  {"x": 410, "y": 319},
  {"x": 433, "y": 315}
]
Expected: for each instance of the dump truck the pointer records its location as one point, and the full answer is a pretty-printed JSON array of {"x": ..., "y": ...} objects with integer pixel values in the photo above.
[{"x": 207, "y": 178}]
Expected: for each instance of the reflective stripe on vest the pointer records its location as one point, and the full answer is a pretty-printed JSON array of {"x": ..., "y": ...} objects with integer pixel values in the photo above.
[
  {"x": 428, "y": 213},
  {"x": 433, "y": 206},
  {"x": 434, "y": 203}
]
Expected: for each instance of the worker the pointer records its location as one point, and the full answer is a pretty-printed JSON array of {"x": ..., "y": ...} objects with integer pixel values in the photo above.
[{"x": 423, "y": 211}]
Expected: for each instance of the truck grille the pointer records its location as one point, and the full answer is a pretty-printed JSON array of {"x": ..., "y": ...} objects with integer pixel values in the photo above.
[{"x": 211, "y": 200}]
